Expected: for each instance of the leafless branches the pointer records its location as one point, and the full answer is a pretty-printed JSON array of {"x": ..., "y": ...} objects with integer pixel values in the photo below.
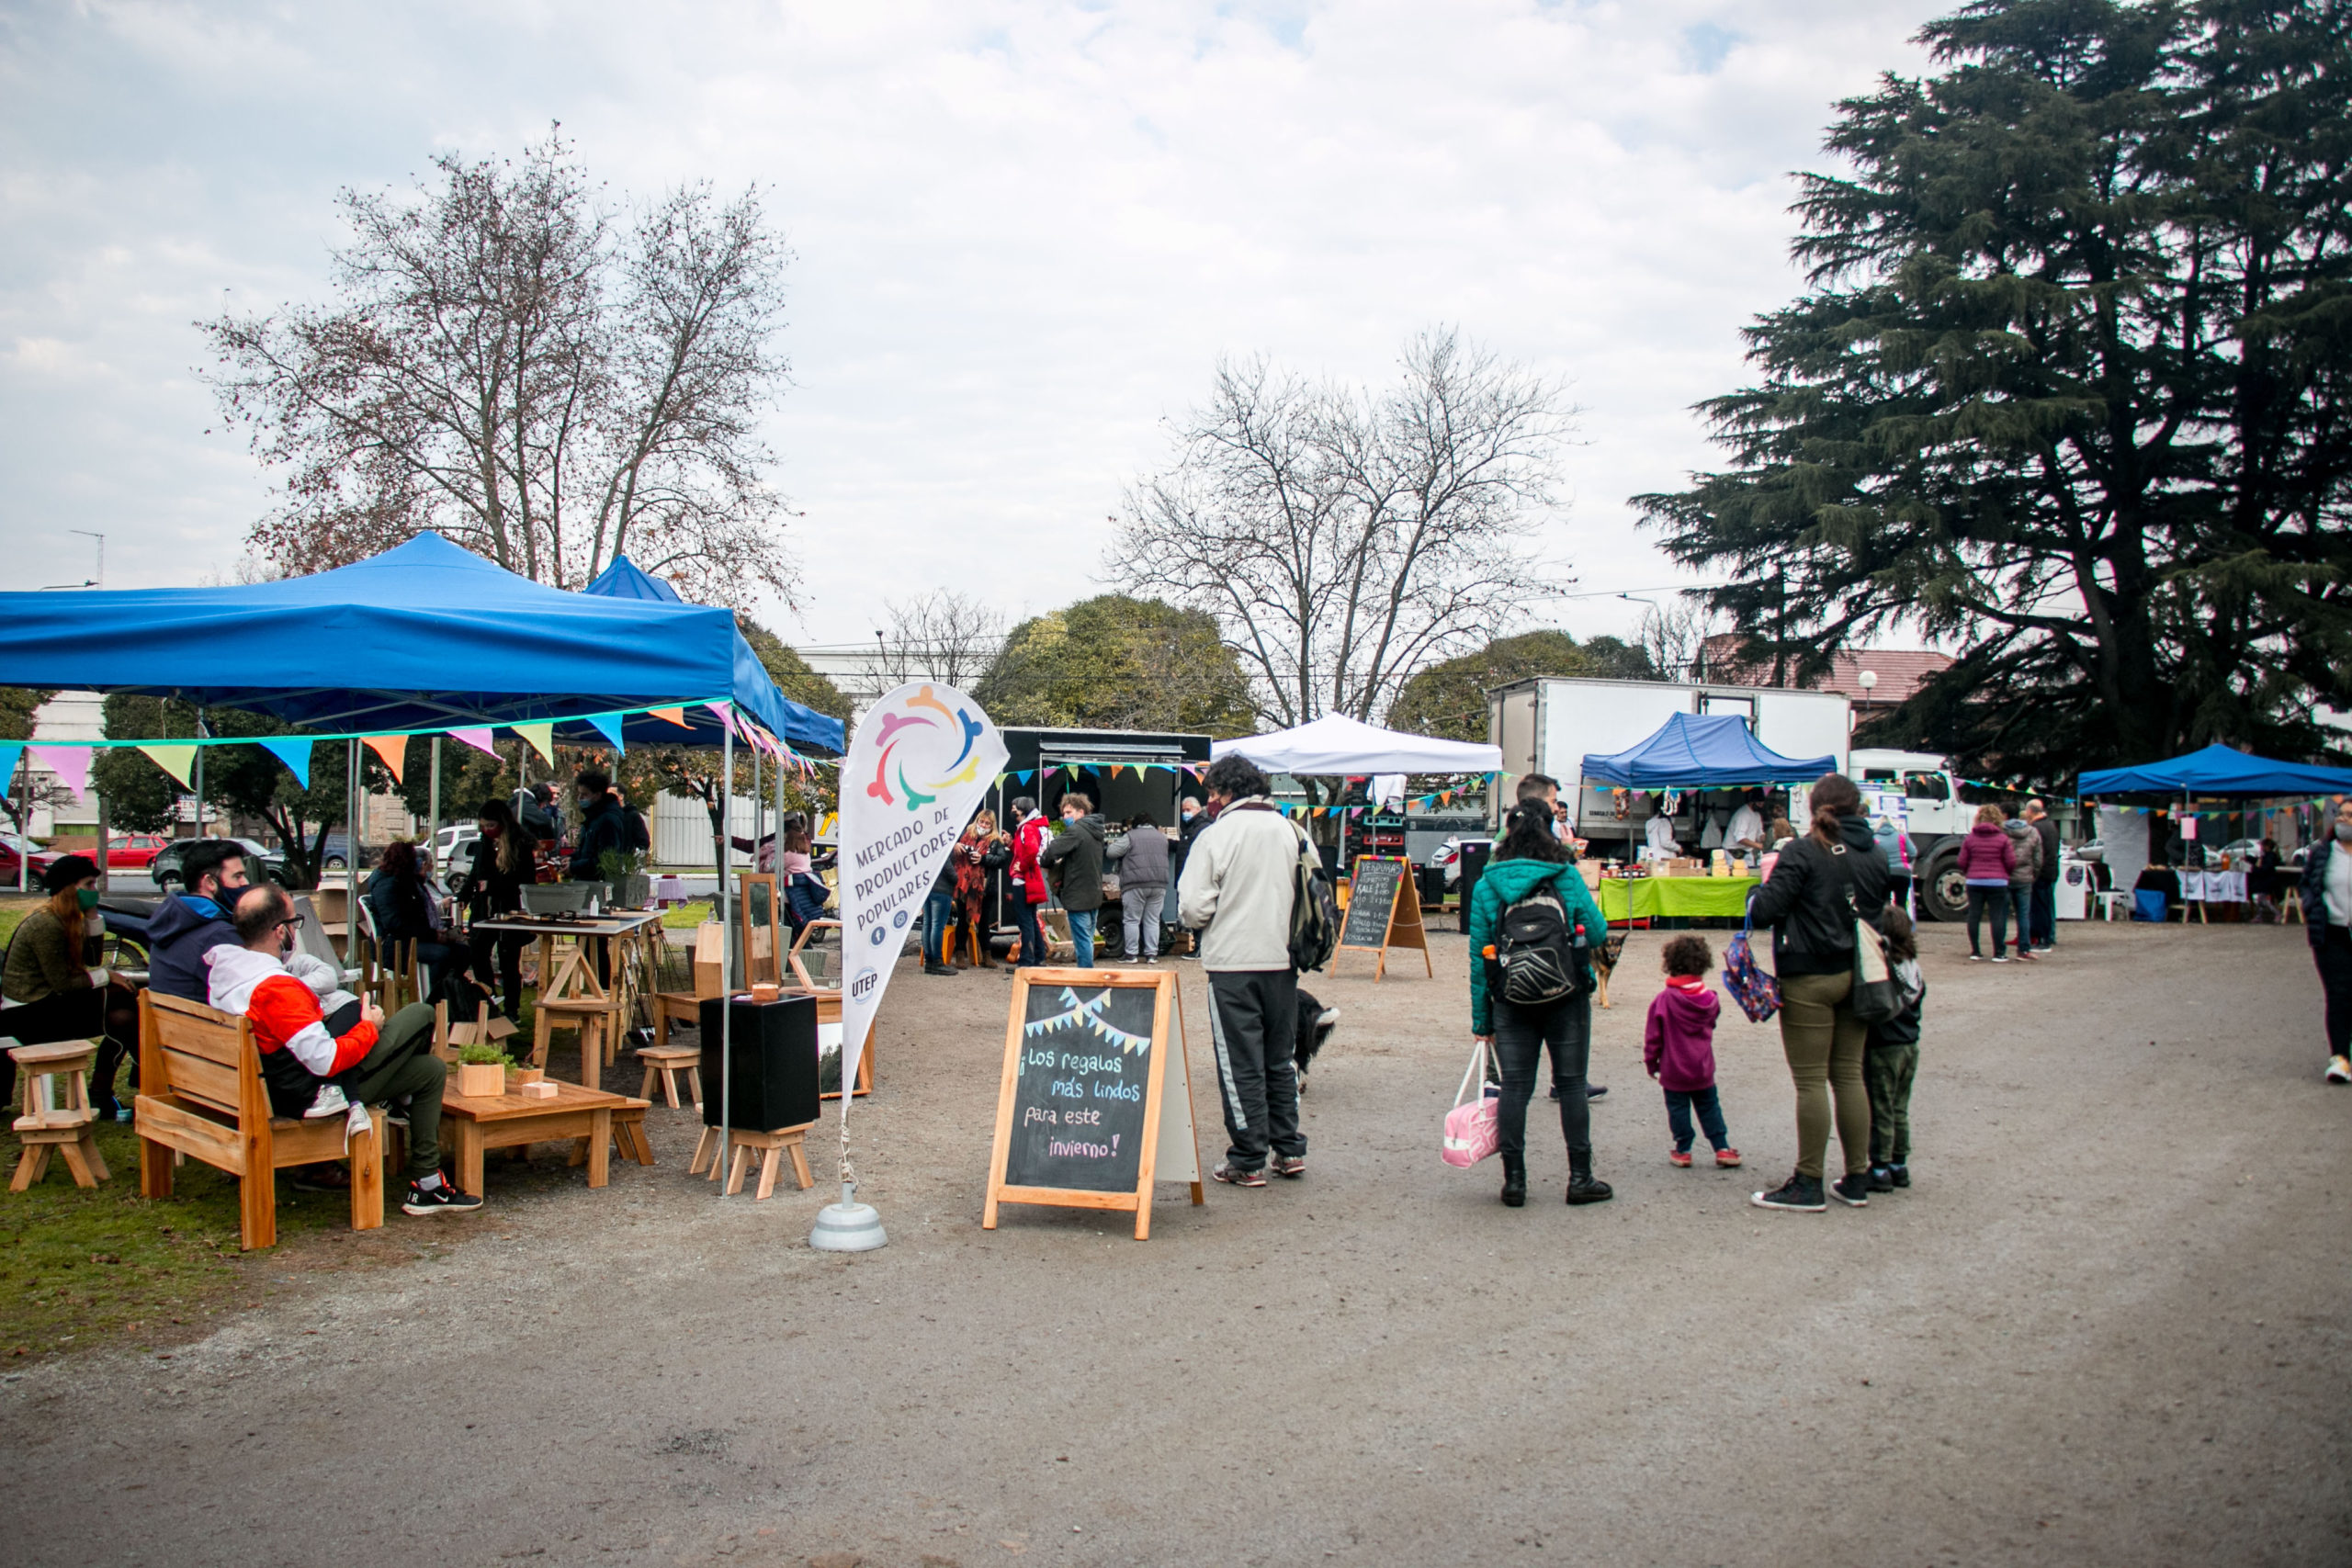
[{"x": 940, "y": 636}]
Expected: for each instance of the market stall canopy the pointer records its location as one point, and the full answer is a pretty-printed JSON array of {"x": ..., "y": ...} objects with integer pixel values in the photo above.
[
  {"x": 426, "y": 636},
  {"x": 1337, "y": 744},
  {"x": 1702, "y": 750},
  {"x": 804, "y": 725},
  {"x": 2218, "y": 770}
]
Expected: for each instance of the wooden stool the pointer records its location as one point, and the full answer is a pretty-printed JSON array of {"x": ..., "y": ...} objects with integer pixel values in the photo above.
[
  {"x": 667, "y": 1060},
  {"x": 599, "y": 1024},
  {"x": 775, "y": 1146},
  {"x": 2290, "y": 903},
  {"x": 67, "y": 1128}
]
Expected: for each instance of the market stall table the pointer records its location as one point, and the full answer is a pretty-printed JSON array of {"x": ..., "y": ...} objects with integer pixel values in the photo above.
[
  {"x": 570, "y": 985},
  {"x": 1625, "y": 899},
  {"x": 479, "y": 1124}
]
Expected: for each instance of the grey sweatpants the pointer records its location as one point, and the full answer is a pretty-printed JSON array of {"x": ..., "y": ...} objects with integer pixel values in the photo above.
[{"x": 1254, "y": 1025}]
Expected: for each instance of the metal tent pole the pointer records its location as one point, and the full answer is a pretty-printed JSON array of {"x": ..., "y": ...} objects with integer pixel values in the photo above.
[
  {"x": 432, "y": 803},
  {"x": 727, "y": 959}
]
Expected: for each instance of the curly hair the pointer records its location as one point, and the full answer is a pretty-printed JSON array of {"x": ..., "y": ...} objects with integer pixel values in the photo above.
[{"x": 1688, "y": 956}]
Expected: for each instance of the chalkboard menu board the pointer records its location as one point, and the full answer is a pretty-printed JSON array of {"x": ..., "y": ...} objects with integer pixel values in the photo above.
[
  {"x": 1371, "y": 898},
  {"x": 1096, "y": 1095}
]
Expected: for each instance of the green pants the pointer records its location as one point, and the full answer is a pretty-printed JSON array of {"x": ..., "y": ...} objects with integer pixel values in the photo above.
[
  {"x": 401, "y": 1062},
  {"x": 1824, "y": 1042},
  {"x": 1887, "y": 1071}
]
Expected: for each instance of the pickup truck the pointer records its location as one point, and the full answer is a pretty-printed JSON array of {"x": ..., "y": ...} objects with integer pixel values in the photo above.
[{"x": 1934, "y": 816}]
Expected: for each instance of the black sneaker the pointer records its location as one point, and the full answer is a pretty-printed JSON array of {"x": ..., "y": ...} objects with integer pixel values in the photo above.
[
  {"x": 1798, "y": 1193},
  {"x": 1900, "y": 1175},
  {"x": 937, "y": 969},
  {"x": 1852, "y": 1191},
  {"x": 1880, "y": 1180},
  {"x": 442, "y": 1200},
  {"x": 1595, "y": 1090}
]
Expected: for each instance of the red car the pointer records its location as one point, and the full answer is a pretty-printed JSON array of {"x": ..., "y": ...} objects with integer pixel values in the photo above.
[
  {"x": 134, "y": 851},
  {"x": 12, "y": 846}
]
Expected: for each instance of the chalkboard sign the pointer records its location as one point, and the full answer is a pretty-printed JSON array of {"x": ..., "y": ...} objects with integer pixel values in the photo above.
[
  {"x": 1096, "y": 1099},
  {"x": 1385, "y": 911}
]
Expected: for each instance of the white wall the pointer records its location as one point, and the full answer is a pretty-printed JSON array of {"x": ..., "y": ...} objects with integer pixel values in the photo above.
[{"x": 682, "y": 831}]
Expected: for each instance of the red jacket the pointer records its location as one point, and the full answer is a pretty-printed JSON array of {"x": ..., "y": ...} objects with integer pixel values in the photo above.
[
  {"x": 1679, "y": 1043},
  {"x": 1027, "y": 839},
  {"x": 289, "y": 1031},
  {"x": 1986, "y": 854}
]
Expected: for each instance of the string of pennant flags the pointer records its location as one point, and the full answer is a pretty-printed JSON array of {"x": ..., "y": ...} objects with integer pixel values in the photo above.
[
  {"x": 69, "y": 761},
  {"x": 1194, "y": 770}
]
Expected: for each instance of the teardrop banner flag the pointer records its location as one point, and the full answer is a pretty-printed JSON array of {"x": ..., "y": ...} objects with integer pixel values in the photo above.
[
  {"x": 294, "y": 754},
  {"x": 918, "y": 767},
  {"x": 70, "y": 764},
  {"x": 479, "y": 740},
  {"x": 178, "y": 760},
  {"x": 393, "y": 748}
]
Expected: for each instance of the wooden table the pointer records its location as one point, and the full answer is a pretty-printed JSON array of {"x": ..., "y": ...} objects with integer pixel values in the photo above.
[
  {"x": 571, "y": 984},
  {"x": 507, "y": 1120}
]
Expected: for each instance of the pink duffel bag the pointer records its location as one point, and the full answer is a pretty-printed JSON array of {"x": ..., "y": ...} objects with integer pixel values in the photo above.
[{"x": 1471, "y": 1130}]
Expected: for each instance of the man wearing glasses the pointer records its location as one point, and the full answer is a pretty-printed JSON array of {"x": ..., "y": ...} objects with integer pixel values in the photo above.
[{"x": 372, "y": 1061}]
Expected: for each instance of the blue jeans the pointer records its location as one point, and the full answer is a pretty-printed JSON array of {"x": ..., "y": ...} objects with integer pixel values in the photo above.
[
  {"x": 1682, "y": 1102},
  {"x": 1032, "y": 939},
  {"x": 938, "y": 919},
  {"x": 1081, "y": 935}
]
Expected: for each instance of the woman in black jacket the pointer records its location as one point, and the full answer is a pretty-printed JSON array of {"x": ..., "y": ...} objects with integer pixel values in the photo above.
[
  {"x": 406, "y": 914},
  {"x": 1823, "y": 883},
  {"x": 501, "y": 864}
]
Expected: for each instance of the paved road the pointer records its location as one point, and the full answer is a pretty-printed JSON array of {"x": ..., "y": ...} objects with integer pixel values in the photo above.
[{"x": 2109, "y": 1325}]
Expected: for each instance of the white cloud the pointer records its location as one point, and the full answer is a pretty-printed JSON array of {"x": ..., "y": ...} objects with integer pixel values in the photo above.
[{"x": 1024, "y": 232}]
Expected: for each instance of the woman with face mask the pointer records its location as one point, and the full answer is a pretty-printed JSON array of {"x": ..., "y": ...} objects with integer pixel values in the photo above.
[
  {"x": 52, "y": 994},
  {"x": 2327, "y": 921},
  {"x": 501, "y": 864}
]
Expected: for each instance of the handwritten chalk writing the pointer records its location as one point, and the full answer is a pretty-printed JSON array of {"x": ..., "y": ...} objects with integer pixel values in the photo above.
[
  {"x": 1070, "y": 1089},
  {"x": 1037, "y": 1114},
  {"x": 1081, "y": 1118},
  {"x": 1061, "y": 1149},
  {"x": 1090, "y": 1063},
  {"x": 1118, "y": 1091}
]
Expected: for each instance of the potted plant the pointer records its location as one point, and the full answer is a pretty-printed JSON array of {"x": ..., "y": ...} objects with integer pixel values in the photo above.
[
  {"x": 627, "y": 885},
  {"x": 482, "y": 1072}
]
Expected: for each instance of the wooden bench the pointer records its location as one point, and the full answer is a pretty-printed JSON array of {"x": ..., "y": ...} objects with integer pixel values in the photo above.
[{"x": 200, "y": 1094}]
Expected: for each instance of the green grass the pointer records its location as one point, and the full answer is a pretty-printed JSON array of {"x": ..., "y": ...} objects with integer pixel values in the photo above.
[{"x": 687, "y": 916}]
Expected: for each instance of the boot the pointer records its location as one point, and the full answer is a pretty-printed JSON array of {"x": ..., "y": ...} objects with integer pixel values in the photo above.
[
  {"x": 1582, "y": 1188},
  {"x": 1514, "y": 1182}
]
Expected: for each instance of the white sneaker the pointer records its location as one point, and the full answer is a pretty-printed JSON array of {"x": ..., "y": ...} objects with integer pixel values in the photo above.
[
  {"x": 2339, "y": 1069},
  {"x": 357, "y": 1122},
  {"x": 2000, "y": 958},
  {"x": 330, "y": 1102}
]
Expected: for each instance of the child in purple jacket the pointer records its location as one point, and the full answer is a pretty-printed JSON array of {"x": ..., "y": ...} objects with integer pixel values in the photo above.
[{"x": 1679, "y": 1049}]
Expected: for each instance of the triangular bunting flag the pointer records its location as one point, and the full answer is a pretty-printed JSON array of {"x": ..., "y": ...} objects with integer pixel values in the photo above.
[
  {"x": 294, "y": 754},
  {"x": 393, "y": 748},
  {"x": 725, "y": 719},
  {"x": 9, "y": 752},
  {"x": 608, "y": 724},
  {"x": 675, "y": 715},
  {"x": 540, "y": 736},
  {"x": 178, "y": 760},
  {"x": 479, "y": 740},
  {"x": 70, "y": 764}
]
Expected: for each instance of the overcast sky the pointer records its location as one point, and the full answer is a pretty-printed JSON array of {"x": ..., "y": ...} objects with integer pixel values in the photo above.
[{"x": 1022, "y": 234}]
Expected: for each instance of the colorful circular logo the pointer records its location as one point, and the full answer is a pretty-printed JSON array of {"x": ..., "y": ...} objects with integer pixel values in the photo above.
[{"x": 926, "y": 749}]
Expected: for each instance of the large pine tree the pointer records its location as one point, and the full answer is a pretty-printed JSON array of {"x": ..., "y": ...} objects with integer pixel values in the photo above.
[{"x": 2068, "y": 386}]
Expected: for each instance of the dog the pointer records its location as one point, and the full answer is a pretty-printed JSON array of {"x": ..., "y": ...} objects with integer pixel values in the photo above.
[
  {"x": 1314, "y": 1028},
  {"x": 1605, "y": 964}
]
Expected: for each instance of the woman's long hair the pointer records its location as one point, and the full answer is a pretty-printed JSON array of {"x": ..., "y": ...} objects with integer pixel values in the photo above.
[
  {"x": 1527, "y": 835},
  {"x": 400, "y": 861},
  {"x": 1834, "y": 796},
  {"x": 513, "y": 853},
  {"x": 66, "y": 905}
]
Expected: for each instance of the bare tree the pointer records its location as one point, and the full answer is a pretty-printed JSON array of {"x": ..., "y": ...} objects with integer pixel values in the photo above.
[
  {"x": 1675, "y": 635},
  {"x": 1343, "y": 539},
  {"x": 940, "y": 636},
  {"x": 507, "y": 362}
]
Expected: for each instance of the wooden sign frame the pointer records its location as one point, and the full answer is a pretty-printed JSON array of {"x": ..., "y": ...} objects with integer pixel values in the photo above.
[
  {"x": 1169, "y": 1128},
  {"x": 1403, "y": 927}
]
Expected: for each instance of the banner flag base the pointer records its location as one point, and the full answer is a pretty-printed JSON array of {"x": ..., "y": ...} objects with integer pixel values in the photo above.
[{"x": 848, "y": 1225}]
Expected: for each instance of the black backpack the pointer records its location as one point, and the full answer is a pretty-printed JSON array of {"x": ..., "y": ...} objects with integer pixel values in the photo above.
[
  {"x": 1313, "y": 910},
  {"x": 1536, "y": 961}
]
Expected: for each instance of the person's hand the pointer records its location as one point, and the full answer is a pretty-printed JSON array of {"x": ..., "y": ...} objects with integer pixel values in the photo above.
[
  {"x": 1653, "y": 1077},
  {"x": 1487, "y": 1040},
  {"x": 370, "y": 1013}
]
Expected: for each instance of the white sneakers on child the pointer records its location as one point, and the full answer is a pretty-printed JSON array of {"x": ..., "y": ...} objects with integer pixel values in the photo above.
[{"x": 330, "y": 1102}]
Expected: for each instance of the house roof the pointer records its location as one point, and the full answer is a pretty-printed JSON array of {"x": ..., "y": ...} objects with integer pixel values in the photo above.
[{"x": 1900, "y": 671}]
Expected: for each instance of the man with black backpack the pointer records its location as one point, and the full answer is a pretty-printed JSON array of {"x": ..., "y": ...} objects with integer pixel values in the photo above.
[{"x": 1240, "y": 883}]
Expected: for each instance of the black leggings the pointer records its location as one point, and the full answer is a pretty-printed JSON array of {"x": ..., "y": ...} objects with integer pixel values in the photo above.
[
  {"x": 1997, "y": 900},
  {"x": 108, "y": 1014},
  {"x": 2334, "y": 956},
  {"x": 505, "y": 948},
  {"x": 1521, "y": 1034}
]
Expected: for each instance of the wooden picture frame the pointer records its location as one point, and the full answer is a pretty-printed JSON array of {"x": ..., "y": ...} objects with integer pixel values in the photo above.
[
  {"x": 759, "y": 968},
  {"x": 1169, "y": 1148}
]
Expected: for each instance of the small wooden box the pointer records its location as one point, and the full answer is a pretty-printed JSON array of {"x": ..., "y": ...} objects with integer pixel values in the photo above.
[{"x": 481, "y": 1080}]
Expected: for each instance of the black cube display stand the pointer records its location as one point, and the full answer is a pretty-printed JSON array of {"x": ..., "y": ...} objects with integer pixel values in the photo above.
[{"x": 774, "y": 1083}]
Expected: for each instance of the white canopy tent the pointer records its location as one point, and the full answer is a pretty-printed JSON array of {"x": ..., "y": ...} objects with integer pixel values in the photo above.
[{"x": 1337, "y": 744}]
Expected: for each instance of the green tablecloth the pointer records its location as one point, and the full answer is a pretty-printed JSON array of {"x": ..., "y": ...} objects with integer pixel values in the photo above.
[{"x": 1653, "y": 897}]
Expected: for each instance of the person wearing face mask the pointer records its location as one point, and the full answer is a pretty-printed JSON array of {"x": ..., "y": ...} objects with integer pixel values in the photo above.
[
  {"x": 1074, "y": 860},
  {"x": 501, "y": 864},
  {"x": 1029, "y": 836},
  {"x": 194, "y": 922},
  {"x": 2327, "y": 921},
  {"x": 52, "y": 995}
]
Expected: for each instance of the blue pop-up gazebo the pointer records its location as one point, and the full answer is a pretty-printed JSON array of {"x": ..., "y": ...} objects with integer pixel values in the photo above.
[
  {"x": 2217, "y": 771},
  {"x": 1702, "y": 750}
]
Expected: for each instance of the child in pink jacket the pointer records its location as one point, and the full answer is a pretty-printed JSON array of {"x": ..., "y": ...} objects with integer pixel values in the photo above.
[{"x": 1679, "y": 1049}]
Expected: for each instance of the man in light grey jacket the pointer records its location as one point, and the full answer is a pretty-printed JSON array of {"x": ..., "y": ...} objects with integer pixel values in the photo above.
[
  {"x": 1238, "y": 884},
  {"x": 1141, "y": 853}
]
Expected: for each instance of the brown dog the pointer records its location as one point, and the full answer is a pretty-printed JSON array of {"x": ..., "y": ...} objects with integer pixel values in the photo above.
[{"x": 1605, "y": 964}]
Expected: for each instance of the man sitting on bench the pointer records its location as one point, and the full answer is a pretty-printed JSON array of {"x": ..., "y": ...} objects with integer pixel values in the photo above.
[{"x": 372, "y": 1060}]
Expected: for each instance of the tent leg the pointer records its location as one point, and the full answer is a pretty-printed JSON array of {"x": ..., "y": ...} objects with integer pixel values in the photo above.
[
  {"x": 727, "y": 955},
  {"x": 351, "y": 848},
  {"x": 433, "y": 803}
]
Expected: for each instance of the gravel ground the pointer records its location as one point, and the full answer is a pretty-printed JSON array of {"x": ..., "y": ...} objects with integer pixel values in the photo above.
[{"x": 2108, "y": 1325}]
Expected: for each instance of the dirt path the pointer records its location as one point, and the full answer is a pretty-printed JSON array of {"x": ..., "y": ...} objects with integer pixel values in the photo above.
[{"x": 2109, "y": 1325}]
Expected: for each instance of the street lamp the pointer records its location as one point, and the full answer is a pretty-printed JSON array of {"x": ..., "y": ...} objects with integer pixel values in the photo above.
[{"x": 1869, "y": 684}]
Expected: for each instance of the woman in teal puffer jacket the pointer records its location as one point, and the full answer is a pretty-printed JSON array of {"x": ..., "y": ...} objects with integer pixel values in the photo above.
[{"x": 1530, "y": 858}]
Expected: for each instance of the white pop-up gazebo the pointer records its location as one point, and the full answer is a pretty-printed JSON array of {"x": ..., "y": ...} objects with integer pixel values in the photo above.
[{"x": 1337, "y": 744}]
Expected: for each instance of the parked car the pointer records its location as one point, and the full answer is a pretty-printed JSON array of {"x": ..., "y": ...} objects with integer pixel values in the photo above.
[
  {"x": 134, "y": 851},
  {"x": 15, "y": 847},
  {"x": 450, "y": 845},
  {"x": 164, "y": 868}
]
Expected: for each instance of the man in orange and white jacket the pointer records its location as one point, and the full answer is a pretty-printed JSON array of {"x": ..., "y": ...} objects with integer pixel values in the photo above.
[{"x": 314, "y": 1069}]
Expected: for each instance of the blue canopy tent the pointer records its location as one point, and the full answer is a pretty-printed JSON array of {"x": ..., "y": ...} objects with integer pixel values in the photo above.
[
  {"x": 1701, "y": 750},
  {"x": 2217, "y": 771}
]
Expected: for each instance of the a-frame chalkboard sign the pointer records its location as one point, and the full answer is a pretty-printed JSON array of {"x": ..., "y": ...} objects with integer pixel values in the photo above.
[
  {"x": 1384, "y": 911},
  {"x": 1097, "y": 1101}
]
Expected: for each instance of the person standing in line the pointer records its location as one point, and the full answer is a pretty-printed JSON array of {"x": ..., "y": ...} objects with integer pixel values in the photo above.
[
  {"x": 1074, "y": 860},
  {"x": 1239, "y": 890},
  {"x": 2027, "y": 845},
  {"x": 1891, "y": 1060},
  {"x": 939, "y": 919},
  {"x": 1028, "y": 878},
  {"x": 1532, "y": 867},
  {"x": 981, "y": 851},
  {"x": 1143, "y": 889},
  {"x": 1822, "y": 884},
  {"x": 1895, "y": 844},
  {"x": 1679, "y": 1049},
  {"x": 2328, "y": 922},
  {"x": 2043, "y": 928},
  {"x": 1987, "y": 860}
]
